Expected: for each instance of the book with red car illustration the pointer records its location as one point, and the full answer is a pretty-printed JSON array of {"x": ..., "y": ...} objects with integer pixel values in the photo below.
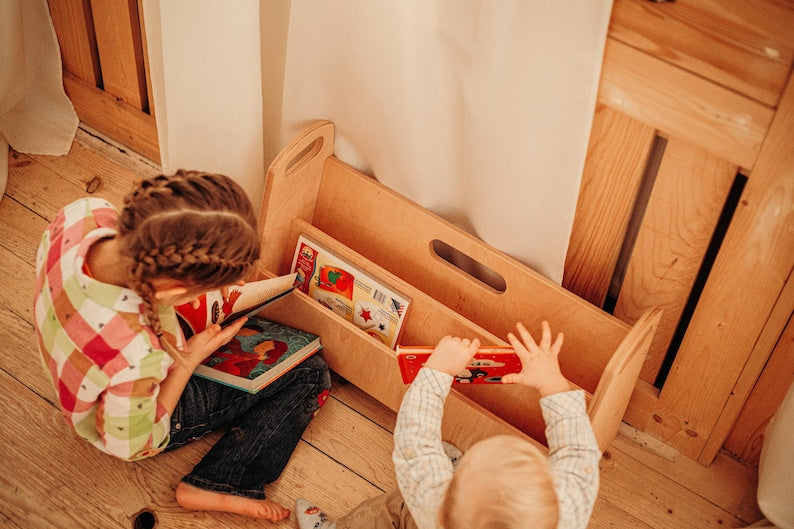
[
  {"x": 349, "y": 292},
  {"x": 241, "y": 300},
  {"x": 261, "y": 352},
  {"x": 486, "y": 367}
]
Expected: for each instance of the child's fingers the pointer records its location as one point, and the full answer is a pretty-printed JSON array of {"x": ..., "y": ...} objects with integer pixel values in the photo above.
[
  {"x": 545, "y": 338},
  {"x": 518, "y": 347},
  {"x": 529, "y": 342},
  {"x": 510, "y": 378},
  {"x": 557, "y": 345}
]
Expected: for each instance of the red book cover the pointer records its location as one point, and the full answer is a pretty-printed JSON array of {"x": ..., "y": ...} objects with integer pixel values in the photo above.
[{"x": 486, "y": 367}]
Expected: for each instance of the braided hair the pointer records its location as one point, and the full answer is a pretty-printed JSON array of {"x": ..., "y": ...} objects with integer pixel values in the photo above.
[{"x": 199, "y": 228}]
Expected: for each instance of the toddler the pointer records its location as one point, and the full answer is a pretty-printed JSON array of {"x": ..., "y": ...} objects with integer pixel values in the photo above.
[{"x": 501, "y": 482}]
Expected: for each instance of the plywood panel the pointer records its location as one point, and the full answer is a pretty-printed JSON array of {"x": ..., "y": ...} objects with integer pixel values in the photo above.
[
  {"x": 687, "y": 199},
  {"x": 744, "y": 46},
  {"x": 616, "y": 158}
]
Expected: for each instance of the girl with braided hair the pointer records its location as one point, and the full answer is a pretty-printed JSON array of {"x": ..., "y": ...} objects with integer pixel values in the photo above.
[{"x": 107, "y": 284}]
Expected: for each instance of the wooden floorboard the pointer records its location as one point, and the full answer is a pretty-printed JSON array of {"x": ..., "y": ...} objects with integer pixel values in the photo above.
[{"x": 51, "y": 479}]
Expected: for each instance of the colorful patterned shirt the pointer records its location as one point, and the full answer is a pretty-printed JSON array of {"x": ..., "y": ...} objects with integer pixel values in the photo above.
[
  {"x": 105, "y": 363},
  {"x": 424, "y": 470}
]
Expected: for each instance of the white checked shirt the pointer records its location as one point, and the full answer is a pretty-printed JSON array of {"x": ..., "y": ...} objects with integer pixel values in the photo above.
[{"x": 424, "y": 470}]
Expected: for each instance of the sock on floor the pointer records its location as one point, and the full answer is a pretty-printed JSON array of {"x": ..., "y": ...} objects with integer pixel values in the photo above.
[
  {"x": 452, "y": 452},
  {"x": 311, "y": 517}
]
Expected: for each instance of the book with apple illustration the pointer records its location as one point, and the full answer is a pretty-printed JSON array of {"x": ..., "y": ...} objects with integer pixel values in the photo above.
[{"x": 348, "y": 291}]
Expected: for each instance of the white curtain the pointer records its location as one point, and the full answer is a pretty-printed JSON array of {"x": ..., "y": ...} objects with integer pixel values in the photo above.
[
  {"x": 478, "y": 110},
  {"x": 36, "y": 117}
]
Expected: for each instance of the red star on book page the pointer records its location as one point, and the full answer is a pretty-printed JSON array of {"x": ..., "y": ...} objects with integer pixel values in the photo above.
[{"x": 365, "y": 315}]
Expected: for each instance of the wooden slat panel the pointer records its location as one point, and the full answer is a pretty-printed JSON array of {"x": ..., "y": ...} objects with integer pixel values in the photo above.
[
  {"x": 745, "y": 46},
  {"x": 749, "y": 273},
  {"x": 616, "y": 157},
  {"x": 75, "y": 30},
  {"x": 747, "y": 436},
  {"x": 120, "y": 48},
  {"x": 683, "y": 105},
  {"x": 114, "y": 118},
  {"x": 687, "y": 199}
]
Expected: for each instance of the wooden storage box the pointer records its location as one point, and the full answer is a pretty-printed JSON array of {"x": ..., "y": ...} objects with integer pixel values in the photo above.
[{"x": 308, "y": 190}]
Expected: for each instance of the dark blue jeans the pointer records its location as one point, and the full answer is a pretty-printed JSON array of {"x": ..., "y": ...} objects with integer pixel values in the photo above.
[{"x": 263, "y": 428}]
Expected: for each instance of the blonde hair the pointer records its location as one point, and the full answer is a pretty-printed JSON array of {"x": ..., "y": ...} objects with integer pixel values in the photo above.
[
  {"x": 199, "y": 228},
  {"x": 502, "y": 482}
]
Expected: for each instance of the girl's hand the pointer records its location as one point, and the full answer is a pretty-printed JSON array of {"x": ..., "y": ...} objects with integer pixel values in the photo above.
[
  {"x": 540, "y": 367},
  {"x": 452, "y": 355},
  {"x": 203, "y": 344}
]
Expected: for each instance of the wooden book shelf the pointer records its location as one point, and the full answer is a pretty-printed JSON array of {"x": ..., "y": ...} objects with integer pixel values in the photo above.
[{"x": 308, "y": 190}]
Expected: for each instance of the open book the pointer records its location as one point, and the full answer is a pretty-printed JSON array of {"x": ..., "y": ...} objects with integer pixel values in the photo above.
[
  {"x": 244, "y": 300},
  {"x": 261, "y": 352},
  {"x": 486, "y": 367}
]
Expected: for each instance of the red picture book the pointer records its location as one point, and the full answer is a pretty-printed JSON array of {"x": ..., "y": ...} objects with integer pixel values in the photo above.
[{"x": 486, "y": 367}]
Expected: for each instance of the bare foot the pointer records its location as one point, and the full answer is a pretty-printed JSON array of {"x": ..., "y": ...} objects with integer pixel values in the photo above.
[{"x": 197, "y": 499}]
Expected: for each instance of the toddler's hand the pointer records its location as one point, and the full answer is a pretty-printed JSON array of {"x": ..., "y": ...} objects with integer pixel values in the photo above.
[
  {"x": 452, "y": 354},
  {"x": 540, "y": 367}
]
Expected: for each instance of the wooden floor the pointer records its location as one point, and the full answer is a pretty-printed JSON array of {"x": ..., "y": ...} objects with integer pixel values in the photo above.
[{"x": 51, "y": 479}]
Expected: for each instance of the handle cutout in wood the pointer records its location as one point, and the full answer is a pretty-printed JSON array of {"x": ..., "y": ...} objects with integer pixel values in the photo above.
[
  {"x": 469, "y": 266},
  {"x": 304, "y": 156}
]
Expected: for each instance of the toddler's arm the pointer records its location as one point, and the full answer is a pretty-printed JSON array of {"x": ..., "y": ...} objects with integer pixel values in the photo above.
[
  {"x": 423, "y": 469},
  {"x": 573, "y": 449}
]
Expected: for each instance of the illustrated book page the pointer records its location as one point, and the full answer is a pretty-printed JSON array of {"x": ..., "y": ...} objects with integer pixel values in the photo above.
[
  {"x": 261, "y": 352},
  {"x": 242, "y": 300},
  {"x": 349, "y": 292}
]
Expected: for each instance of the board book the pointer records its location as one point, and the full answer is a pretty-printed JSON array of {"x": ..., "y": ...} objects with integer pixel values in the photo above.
[
  {"x": 349, "y": 292},
  {"x": 488, "y": 366},
  {"x": 242, "y": 300},
  {"x": 260, "y": 353}
]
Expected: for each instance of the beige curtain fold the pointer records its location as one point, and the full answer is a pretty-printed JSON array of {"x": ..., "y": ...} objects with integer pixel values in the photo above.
[{"x": 36, "y": 117}]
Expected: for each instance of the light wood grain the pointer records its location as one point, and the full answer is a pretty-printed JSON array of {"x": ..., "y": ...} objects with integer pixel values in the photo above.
[
  {"x": 118, "y": 38},
  {"x": 688, "y": 196},
  {"x": 755, "y": 367},
  {"x": 114, "y": 117},
  {"x": 74, "y": 28},
  {"x": 744, "y": 46},
  {"x": 749, "y": 273},
  {"x": 615, "y": 163},
  {"x": 528, "y": 297},
  {"x": 682, "y": 104},
  {"x": 746, "y": 440}
]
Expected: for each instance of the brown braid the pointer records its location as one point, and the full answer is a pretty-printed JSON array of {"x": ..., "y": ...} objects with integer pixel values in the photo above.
[{"x": 195, "y": 227}]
